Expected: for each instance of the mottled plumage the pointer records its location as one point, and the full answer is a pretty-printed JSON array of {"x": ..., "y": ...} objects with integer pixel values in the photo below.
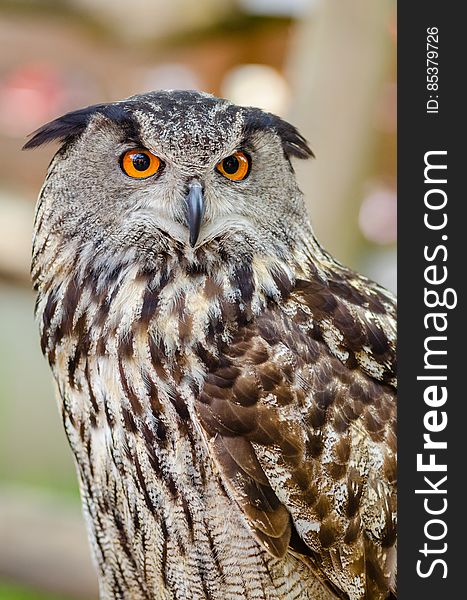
[{"x": 230, "y": 402}]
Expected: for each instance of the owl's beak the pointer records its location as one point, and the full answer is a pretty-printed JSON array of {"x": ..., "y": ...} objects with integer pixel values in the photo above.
[{"x": 195, "y": 210}]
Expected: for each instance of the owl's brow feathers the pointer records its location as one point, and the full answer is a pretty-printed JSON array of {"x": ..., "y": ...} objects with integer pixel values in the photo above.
[{"x": 71, "y": 125}]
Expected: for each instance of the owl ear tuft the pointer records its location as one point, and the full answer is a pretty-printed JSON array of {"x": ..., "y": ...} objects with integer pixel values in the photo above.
[
  {"x": 293, "y": 142},
  {"x": 64, "y": 128},
  {"x": 69, "y": 126}
]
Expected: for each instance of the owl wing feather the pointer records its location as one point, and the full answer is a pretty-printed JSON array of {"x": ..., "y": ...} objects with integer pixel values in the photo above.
[{"x": 299, "y": 414}]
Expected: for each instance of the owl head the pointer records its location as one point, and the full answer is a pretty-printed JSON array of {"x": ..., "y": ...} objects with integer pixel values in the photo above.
[{"x": 172, "y": 171}]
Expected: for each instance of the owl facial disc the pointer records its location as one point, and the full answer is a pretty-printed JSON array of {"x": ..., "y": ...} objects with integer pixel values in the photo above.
[{"x": 195, "y": 210}]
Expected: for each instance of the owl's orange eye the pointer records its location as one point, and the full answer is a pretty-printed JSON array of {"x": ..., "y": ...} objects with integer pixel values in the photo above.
[
  {"x": 140, "y": 163},
  {"x": 235, "y": 167}
]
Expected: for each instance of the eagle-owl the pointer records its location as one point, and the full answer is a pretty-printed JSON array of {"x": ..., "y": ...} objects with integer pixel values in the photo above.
[{"x": 227, "y": 388}]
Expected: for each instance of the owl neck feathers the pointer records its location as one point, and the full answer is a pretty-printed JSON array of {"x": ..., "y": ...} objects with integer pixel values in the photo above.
[{"x": 178, "y": 303}]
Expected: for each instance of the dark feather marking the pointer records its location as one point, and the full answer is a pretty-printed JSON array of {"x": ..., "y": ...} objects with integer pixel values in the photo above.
[
  {"x": 125, "y": 346},
  {"x": 169, "y": 481},
  {"x": 315, "y": 444},
  {"x": 185, "y": 328},
  {"x": 389, "y": 532},
  {"x": 243, "y": 281},
  {"x": 156, "y": 407},
  {"x": 354, "y": 337},
  {"x": 283, "y": 283},
  {"x": 210, "y": 361},
  {"x": 117, "y": 589},
  {"x": 73, "y": 362},
  {"x": 317, "y": 296},
  {"x": 92, "y": 396},
  {"x": 353, "y": 530},
  {"x": 342, "y": 450},
  {"x": 223, "y": 377},
  {"x": 112, "y": 275},
  {"x": 123, "y": 538},
  {"x": 197, "y": 268},
  {"x": 257, "y": 355},
  {"x": 372, "y": 424},
  {"x": 129, "y": 421},
  {"x": 180, "y": 406},
  {"x": 378, "y": 340},
  {"x": 202, "y": 576},
  {"x": 365, "y": 393},
  {"x": 297, "y": 544},
  {"x": 83, "y": 336},
  {"x": 129, "y": 393},
  {"x": 390, "y": 374},
  {"x": 376, "y": 581},
  {"x": 82, "y": 431},
  {"x": 161, "y": 432},
  {"x": 101, "y": 348},
  {"x": 150, "y": 304},
  {"x": 51, "y": 356},
  {"x": 102, "y": 312},
  {"x": 351, "y": 362},
  {"x": 212, "y": 289},
  {"x": 303, "y": 475},
  {"x": 141, "y": 482},
  {"x": 346, "y": 290},
  {"x": 284, "y": 394},
  {"x": 214, "y": 552},
  {"x": 340, "y": 422},
  {"x": 216, "y": 327},
  {"x": 188, "y": 516},
  {"x": 110, "y": 418},
  {"x": 328, "y": 533},
  {"x": 315, "y": 418},
  {"x": 156, "y": 350},
  {"x": 215, "y": 424},
  {"x": 136, "y": 521},
  {"x": 349, "y": 411},
  {"x": 270, "y": 376},
  {"x": 336, "y": 470},
  {"x": 324, "y": 398},
  {"x": 323, "y": 507},
  {"x": 165, "y": 536},
  {"x": 268, "y": 330},
  {"x": 375, "y": 304},
  {"x": 150, "y": 444},
  {"x": 390, "y": 468},
  {"x": 47, "y": 317},
  {"x": 243, "y": 455}
]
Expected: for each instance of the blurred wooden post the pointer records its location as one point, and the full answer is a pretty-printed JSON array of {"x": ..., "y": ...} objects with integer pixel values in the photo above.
[{"x": 337, "y": 66}]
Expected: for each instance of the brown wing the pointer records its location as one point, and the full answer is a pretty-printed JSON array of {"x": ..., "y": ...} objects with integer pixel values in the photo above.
[{"x": 300, "y": 421}]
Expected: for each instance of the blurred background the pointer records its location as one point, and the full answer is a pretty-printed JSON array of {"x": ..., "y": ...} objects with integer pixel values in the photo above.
[{"x": 327, "y": 66}]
